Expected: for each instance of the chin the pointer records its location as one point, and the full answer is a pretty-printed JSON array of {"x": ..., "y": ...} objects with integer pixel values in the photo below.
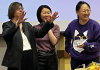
[{"x": 86, "y": 19}]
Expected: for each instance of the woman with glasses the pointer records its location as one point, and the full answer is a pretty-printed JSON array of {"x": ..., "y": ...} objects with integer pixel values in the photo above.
[
  {"x": 47, "y": 58},
  {"x": 21, "y": 53},
  {"x": 83, "y": 37}
]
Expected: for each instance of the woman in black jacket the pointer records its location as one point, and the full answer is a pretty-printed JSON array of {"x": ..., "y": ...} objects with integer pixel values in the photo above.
[{"x": 21, "y": 53}]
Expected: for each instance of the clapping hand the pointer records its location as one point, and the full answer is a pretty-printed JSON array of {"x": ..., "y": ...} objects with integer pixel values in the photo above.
[
  {"x": 21, "y": 17},
  {"x": 53, "y": 17}
]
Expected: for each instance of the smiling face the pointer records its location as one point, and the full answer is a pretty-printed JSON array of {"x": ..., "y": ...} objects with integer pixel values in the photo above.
[
  {"x": 84, "y": 12},
  {"x": 45, "y": 13}
]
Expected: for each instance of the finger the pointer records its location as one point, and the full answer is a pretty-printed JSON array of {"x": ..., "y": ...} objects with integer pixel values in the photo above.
[
  {"x": 24, "y": 13},
  {"x": 48, "y": 18},
  {"x": 55, "y": 13},
  {"x": 45, "y": 20},
  {"x": 57, "y": 16},
  {"x": 25, "y": 19}
]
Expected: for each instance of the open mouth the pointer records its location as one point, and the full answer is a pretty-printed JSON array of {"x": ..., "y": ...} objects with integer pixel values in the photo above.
[{"x": 86, "y": 16}]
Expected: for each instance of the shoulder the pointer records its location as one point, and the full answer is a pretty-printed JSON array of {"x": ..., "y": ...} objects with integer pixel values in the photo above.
[
  {"x": 94, "y": 24},
  {"x": 56, "y": 26},
  {"x": 73, "y": 21},
  {"x": 36, "y": 25},
  {"x": 8, "y": 23},
  {"x": 26, "y": 23}
]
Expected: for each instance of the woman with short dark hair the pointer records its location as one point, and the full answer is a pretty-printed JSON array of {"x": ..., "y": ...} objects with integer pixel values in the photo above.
[
  {"x": 47, "y": 58},
  {"x": 21, "y": 53},
  {"x": 83, "y": 37}
]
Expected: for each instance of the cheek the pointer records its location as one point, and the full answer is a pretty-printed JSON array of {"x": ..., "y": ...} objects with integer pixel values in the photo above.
[
  {"x": 89, "y": 14},
  {"x": 17, "y": 13},
  {"x": 80, "y": 15},
  {"x": 49, "y": 14},
  {"x": 42, "y": 16}
]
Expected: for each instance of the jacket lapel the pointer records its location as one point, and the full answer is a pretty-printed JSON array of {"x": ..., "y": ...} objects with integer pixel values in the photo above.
[
  {"x": 19, "y": 40},
  {"x": 25, "y": 31}
]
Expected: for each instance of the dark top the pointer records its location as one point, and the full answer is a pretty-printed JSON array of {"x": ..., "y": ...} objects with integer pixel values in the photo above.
[
  {"x": 13, "y": 38},
  {"x": 78, "y": 33}
]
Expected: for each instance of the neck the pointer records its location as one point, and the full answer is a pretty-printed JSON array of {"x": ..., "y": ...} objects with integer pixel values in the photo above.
[
  {"x": 42, "y": 22},
  {"x": 82, "y": 22},
  {"x": 14, "y": 20}
]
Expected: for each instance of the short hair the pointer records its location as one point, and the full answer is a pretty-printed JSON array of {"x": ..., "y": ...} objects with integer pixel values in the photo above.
[
  {"x": 39, "y": 12},
  {"x": 79, "y": 4},
  {"x": 12, "y": 8}
]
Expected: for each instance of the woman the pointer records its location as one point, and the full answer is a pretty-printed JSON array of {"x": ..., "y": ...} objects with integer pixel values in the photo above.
[
  {"x": 82, "y": 37},
  {"x": 47, "y": 58},
  {"x": 21, "y": 53}
]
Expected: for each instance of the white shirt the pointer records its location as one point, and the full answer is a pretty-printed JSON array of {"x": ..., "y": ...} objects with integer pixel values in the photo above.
[{"x": 26, "y": 44}]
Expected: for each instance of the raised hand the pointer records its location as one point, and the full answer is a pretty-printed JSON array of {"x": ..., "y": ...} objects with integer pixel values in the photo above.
[
  {"x": 53, "y": 17},
  {"x": 21, "y": 17}
]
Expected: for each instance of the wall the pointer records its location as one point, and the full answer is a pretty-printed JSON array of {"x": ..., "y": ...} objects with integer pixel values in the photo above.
[{"x": 2, "y": 51}]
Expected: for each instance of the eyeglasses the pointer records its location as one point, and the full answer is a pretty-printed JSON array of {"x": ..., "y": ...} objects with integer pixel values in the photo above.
[
  {"x": 21, "y": 8},
  {"x": 79, "y": 37},
  {"x": 84, "y": 11}
]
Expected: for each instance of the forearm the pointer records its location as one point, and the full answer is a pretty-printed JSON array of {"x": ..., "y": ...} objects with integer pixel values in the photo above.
[
  {"x": 39, "y": 33},
  {"x": 68, "y": 44},
  {"x": 53, "y": 39},
  {"x": 92, "y": 47}
]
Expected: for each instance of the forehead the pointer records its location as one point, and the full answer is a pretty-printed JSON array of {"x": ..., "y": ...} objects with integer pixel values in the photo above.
[
  {"x": 45, "y": 10},
  {"x": 84, "y": 6},
  {"x": 20, "y": 6}
]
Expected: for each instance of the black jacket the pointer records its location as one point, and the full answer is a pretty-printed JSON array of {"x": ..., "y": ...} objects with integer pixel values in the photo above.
[{"x": 13, "y": 38}]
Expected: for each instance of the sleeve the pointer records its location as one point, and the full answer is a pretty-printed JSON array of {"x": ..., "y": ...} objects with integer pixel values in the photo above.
[
  {"x": 56, "y": 32},
  {"x": 95, "y": 45},
  {"x": 8, "y": 31},
  {"x": 67, "y": 35},
  {"x": 39, "y": 33}
]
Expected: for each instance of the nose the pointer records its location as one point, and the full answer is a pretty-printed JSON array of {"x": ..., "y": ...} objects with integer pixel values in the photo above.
[
  {"x": 46, "y": 15},
  {"x": 86, "y": 12}
]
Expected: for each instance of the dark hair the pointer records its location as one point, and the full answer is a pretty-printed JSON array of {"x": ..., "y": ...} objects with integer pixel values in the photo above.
[
  {"x": 39, "y": 12},
  {"x": 12, "y": 8},
  {"x": 79, "y": 4}
]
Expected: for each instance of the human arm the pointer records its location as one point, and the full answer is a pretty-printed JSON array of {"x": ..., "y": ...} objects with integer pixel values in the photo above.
[
  {"x": 93, "y": 44},
  {"x": 67, "y": 35},
  {"x": 46, "y": 27},
  {"x": 10, "y": 28},
  {"x": 54, "y": 36}
]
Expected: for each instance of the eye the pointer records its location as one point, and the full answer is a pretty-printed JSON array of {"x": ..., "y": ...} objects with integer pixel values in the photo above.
[
  {"x": 49, "y": 12},
  {"x": 44, "y": 12},
  {"x": 83, "y": 11}
]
